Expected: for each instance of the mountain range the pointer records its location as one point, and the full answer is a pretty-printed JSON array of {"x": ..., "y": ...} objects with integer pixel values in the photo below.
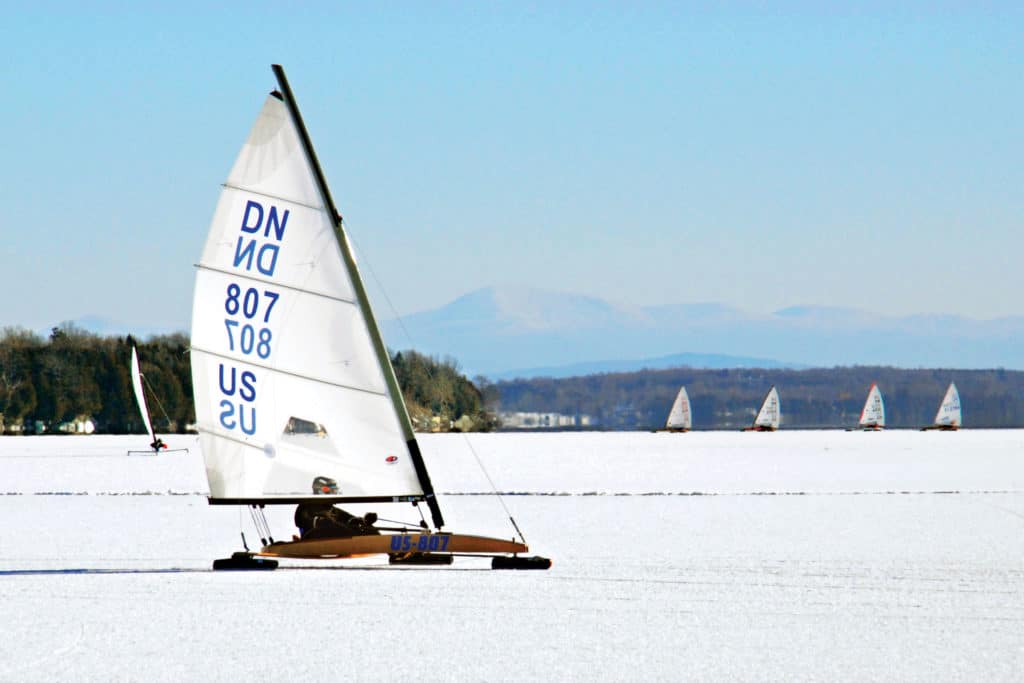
[
  {"x": 508, "y": 332},
  {"x": 505, "y": 332}
]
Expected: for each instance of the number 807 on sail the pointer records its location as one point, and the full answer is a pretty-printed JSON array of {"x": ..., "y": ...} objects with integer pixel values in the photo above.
[{"x": 250, "y": 304}]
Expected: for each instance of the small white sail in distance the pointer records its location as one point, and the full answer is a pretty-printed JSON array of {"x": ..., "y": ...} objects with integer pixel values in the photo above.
[
  {"x": 873, "y": 414},
  {"x": 949, "y": 414},
  {"x": 140, "y": 397},
  {"x": 770, "y": 414},
  {"x": 679, "y": 417},
  {"x": 294, "y": 393}
]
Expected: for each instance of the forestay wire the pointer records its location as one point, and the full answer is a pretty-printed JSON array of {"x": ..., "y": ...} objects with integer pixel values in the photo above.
[
  {"x": 380, "y": 286},
  {"x": 408, "y": 336},
  {"x": 260, "y": 522},
  {"x": 156, "y": 398},
  {"x": 494, "y": 488}
]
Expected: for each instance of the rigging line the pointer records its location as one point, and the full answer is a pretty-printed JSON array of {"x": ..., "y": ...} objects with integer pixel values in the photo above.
[
  {"x": 423, "y": 520},
  {"x": 256, "y": 523},
  {"x": 380, "y": 285},
  {"x": 157, "y": 399},
  {"x": 252, "y": 518},
  {"x": 407, "y": 525},
  {"x": 265, "y": 523},
  {"x": 266, "y": 527},
  {"x": 494, "y": 488}
]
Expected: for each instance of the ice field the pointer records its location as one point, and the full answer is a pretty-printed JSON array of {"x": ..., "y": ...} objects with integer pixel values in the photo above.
[{"x": 706, "y": 556}]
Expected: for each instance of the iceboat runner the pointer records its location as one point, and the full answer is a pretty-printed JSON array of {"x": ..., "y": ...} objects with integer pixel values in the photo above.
[
  {"x": 296, "y": 399},
  {"x": 769, "y": 417},
  {"x": 156, "y": 445},
  {"x": 872, "y": 417},
  {"x": 949, "y": 417},
  {"x": 680, "y": 418}
]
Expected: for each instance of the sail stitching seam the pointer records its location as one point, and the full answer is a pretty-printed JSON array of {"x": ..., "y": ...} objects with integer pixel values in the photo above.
[
  {"x": 289, "y": 373},
  {"x": 273, "y": 196},
  {"x": 275, "y": 283}
]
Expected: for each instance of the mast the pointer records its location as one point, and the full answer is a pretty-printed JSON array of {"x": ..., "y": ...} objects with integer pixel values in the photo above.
[{"x": 379, "y": 348}]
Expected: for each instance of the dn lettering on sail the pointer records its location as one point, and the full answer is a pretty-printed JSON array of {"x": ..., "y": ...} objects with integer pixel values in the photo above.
[
  {"x": 238, "y": 397},
  {"x": 262, "y": 232}
]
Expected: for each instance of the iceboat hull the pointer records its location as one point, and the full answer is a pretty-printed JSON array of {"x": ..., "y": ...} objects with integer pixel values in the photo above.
[{"x": 388, "y": 544}]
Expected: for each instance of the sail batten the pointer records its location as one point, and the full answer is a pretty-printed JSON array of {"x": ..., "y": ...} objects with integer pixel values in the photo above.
[
  {"x": 294, "y": 394},
  {"x": 272, "y": 197},
  {"x": 250, "y": 278},
  {"x": 296, "y": 375}
]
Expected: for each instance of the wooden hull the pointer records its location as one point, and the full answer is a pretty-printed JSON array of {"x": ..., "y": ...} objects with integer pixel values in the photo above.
[{"x": 389, "y": 544}]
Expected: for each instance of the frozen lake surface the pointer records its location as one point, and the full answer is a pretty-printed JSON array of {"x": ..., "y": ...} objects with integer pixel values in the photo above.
[{"x": 709, "y": 555}]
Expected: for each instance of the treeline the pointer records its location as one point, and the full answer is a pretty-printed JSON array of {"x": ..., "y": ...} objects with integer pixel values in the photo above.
[
  {"x": 438, "y": 396},
  {"x": 75, "y": 377},
  {"x": 729, "y": 399}
]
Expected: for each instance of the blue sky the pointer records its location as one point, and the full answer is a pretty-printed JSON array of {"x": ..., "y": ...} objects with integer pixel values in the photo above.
[{"x": 756, "y": 155}]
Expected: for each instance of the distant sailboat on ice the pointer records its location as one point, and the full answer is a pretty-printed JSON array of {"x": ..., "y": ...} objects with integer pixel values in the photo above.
[
  {"x": 680, "y": 418},
  {"x": 770, "y": 415},
  {"x": 872, "y": 417},
  {"x": 949, "y": 418},
  {"x": 157, "y": 444},
  {"x": 296, "y": 399}
]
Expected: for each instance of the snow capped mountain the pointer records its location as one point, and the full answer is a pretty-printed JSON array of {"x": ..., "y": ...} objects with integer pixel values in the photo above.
[
  {"x": 521, "y": 309},
  {"x": 501, "y": 331}
]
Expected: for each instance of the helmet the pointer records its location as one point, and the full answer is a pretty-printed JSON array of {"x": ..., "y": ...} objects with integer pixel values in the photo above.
[{"x": 324, "y": 486}]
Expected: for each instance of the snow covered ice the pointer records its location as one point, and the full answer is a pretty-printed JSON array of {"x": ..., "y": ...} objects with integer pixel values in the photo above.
[{"x": 822, "y": 555}]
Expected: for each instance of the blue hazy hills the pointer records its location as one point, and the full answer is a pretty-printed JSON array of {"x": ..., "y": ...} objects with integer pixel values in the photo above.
[{"x": 506, "y": 332}]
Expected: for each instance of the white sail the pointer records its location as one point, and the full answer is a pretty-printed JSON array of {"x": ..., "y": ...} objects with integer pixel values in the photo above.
[
  {"x": 769, "y": 417},
  {"x": 873, "y": 414},
  {"x": 949, "y": 414},
  {"x": 291, "y": 394},
  {"x": 140, "y": 397},
  {"x": 679, "y": 417}
]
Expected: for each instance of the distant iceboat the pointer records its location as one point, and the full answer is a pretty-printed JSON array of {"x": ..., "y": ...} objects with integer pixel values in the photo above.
[
  {"x": 157, "y": 444},
  {"x": 770, "y": 415},
  {"x": 949, "y": 418},
  {"x": 679, "y": 418},
  {"x": 872, "y": 418}
]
